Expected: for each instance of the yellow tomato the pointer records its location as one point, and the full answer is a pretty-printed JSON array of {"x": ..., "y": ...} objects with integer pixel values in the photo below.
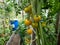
[
  {"x": 34, "y": 25},
  {"x": 36, "y": 19},
  {"x": 39, "y": 17},
  {"x": 30, "y": 6},
  {"x": 43, "y": 24},
  {"x": 29, "y": 31},
  {"x": 26, "y": 9},
  {"x": 28, "y": 22}
]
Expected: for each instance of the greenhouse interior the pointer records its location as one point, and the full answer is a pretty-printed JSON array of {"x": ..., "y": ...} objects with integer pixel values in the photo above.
[{"x": 29, "y": 22}]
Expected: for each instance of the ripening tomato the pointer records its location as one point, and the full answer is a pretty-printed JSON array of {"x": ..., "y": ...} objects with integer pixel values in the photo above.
[
  {"x": 34, "y": 25},
  {"x": 28, "y": 22},
  {"x": 37, "y": 18},
  {"x": 26, "y": 9},
  {"x": 30, "y": 6},
  {"x": 29, "y": 31}
]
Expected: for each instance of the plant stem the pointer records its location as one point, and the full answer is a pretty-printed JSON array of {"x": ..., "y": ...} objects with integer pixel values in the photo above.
[
  {"x": 38, "y": 36},
  {"x": 34, "y": 7},
  {"x": 41, "y": 33}
]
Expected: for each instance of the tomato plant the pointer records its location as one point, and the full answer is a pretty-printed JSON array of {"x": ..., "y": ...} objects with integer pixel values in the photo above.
[{"x": 38, "y": 27}]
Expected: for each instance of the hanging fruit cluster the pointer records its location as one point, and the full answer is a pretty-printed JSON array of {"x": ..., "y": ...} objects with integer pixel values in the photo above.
[
  {"x": 28, "y": 9},
  {"x": 34, "y": 20}
]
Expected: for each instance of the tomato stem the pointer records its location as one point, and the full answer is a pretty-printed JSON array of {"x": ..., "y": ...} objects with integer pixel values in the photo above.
[{"x": 41, "y": 33}]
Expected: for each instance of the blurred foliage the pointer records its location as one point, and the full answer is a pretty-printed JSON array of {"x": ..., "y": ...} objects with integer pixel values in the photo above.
[{"x": 53, "y": 6}]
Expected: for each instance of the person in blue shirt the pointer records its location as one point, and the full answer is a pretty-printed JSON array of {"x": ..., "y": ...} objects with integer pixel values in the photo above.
[{"x": 14, "y": 24}]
